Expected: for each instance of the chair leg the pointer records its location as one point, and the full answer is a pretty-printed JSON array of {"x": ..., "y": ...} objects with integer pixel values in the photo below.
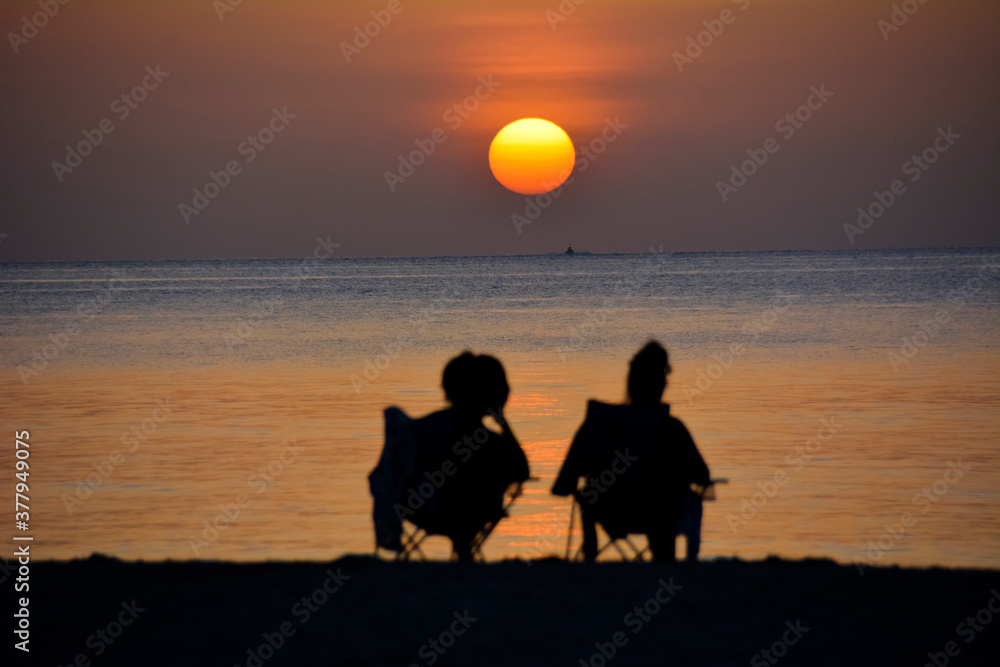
[
  {"x": 663, "y": 546},
  {"x": 693, "y": 546},
  {"x": 464, "y": 546},
  {"x": 579, "y": 554},
  {"x": 690, "y": 524},
  {"x": 589, "y": 528},
  {"x": 569, "y": 533}
]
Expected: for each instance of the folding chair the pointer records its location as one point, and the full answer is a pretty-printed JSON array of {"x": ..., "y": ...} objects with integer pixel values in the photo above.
[
  {"x": 626, "y": 453},
  {"x": 413, "y": 535},
  {"x": 689, "y": 525},
  {"x": 388, "y": 483}
]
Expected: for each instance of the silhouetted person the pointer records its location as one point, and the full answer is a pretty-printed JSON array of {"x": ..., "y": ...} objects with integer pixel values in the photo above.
[
  {"x": 639, "y": 462},
  {"x": 468, "y": 465}
]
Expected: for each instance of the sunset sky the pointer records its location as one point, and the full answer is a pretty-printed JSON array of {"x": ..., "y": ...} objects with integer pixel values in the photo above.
[{"x": 672, "y": 127}]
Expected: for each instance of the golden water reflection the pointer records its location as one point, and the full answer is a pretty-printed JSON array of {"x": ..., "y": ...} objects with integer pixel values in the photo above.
[{"x": 225, "y": 442}]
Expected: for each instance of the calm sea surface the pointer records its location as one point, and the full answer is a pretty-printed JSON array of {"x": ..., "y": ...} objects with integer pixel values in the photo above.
[{"x": 163, "y": 396}]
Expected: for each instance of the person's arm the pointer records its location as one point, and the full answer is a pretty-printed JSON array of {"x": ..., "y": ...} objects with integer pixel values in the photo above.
[
  {"x": 520, "y": 472},
  {"x": 693, "y": 466},
  {"x": 573, "y": 467},
  {"x": 517, "y": 460}
]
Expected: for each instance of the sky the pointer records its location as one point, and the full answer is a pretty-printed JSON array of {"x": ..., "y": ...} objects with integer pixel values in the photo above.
[{"x": 116, "y": 116}]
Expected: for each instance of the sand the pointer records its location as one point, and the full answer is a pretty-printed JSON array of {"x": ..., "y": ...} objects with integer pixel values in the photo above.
[{"x": 362, "y": 611}]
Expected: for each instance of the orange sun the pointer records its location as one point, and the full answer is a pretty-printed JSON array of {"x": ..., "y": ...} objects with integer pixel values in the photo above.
[{"x": 532, "y": 156}]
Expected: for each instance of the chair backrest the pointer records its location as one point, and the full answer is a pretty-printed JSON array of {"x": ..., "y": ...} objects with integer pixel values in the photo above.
[
  {"x": 627, "y": 454},
  {"x": 387, "y": 481},
  {"x": 613, "y": 423}
]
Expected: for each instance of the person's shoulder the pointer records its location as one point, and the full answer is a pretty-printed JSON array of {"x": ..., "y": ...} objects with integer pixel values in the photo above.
[
  {"x": 675, "y": 424},
  {"x": 444, "y": 416},
  {"x": 436, "y": 423}
]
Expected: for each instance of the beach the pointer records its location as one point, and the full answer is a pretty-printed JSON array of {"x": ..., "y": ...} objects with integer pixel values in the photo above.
[{"x": 360, "y": 611}]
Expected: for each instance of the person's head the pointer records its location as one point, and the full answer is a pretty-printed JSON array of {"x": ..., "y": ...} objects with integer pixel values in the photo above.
[
  {"x": 475, "y": 384},
  {"x": 647, "y": 374},
  {"x": 493, "y": 389}
]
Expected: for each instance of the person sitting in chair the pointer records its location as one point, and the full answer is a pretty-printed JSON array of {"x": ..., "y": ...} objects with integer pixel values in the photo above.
[
  {"x": 462, "y": 469},
  {"x": 639, "y": 462}
]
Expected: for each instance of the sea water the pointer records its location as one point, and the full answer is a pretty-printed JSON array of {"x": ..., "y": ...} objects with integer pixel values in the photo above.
[{"x": 233, "y": 409}]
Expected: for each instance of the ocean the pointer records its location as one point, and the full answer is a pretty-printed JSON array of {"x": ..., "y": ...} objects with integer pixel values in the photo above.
[{"x": 233, "y": 409}]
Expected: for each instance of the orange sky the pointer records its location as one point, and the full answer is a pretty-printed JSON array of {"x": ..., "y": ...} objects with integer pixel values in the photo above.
[{"x": 656, "y": 183}]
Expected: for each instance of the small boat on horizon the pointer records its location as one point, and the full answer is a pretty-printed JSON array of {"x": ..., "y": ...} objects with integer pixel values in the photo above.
[{"x": 569, "y": 250}]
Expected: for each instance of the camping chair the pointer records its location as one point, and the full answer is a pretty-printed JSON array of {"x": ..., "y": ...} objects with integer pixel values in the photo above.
[
  {"x": 388, "y": 487},
  {"x": 413, "y": 535},
  {"x": 619, "y": 450},
  {"x": 689, "y": 525}
]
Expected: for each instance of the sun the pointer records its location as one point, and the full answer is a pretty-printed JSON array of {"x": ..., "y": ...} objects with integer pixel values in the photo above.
[{"x": 532, "y": 156}]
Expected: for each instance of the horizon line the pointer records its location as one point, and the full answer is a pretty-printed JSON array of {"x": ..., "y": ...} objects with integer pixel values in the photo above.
[{"x": 472, "y": 256}]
